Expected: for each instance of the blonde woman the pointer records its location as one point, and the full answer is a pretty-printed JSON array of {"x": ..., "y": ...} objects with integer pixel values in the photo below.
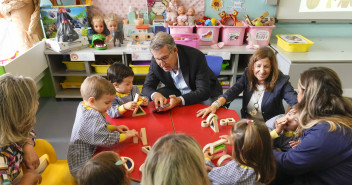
[
  {"x": 18, "y": 107},
  {"x": 175, "y": 159},
  {"x": 324, "y": 155}
]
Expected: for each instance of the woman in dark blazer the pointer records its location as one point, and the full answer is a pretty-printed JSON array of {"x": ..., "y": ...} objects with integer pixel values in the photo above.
[{"x": 264, "y": 87}]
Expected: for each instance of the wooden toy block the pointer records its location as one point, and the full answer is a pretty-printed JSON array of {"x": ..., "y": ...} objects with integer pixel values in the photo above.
[
  {"x": 217, "y": 148},
  {"x": 146, "y": 149},
  {"x": 204, "y": 123},
  {"x": 223, "y": 160},
  {"x": 129, "y": 164},
  {"x": 138, "y": 111},
  {"x": 230, "y": 121},
  {"x": 141, "y": 167},
  {"x": 223, "y": 122},
  {"x": 212, "y": 120},
  {"x": 282, "y": 119},
  {"x": 143, "y": 135},
  {"x": 217, "y": 143},
  {"x": 135, "y": 140}
]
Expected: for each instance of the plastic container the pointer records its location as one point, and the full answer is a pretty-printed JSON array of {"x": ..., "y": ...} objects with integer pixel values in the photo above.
[
  {"x": 181, "y": 29},
  {"x": 233, "y": 35},
  {"x": 75, "y": 78},
  {"x": 71, "y": 85},
  {"x": 74, "y": 66},
  {"x": 294, "y": 47},
  {"x": 260, "y": 35},
  {"x": 101, "y": 68},
  {"x": 208, "y": 35},
  {"x": 140, "y": 66},
  {"x": 191, "y": 39}
]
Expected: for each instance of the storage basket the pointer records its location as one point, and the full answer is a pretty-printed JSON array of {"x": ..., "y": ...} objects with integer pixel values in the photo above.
[
  {"x": 208, "y": 35},
  {"x": 181, "y": 29},
  {"x": 71, "y": 85},
  {"x": 100, "y": 68},
  {"x": 191, "y": 39},
  {"x": 139, "y": 67},
  {"x": 294, "y": 47},
  {"x": 74, "y": 66},
  {"x": 233, "y": 35},
  {"x": 260, "y": 34}
]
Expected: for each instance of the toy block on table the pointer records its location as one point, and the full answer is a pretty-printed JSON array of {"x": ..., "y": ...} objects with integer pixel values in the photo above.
[
  {"x": 135, "y": 140},
  {"x": 143, "y": 135},
  {"x": 223, "y": 160},
  {"x": 223, "y": 122},
  {"x": 217, "y": 148},
  {"x": 230, "y": 121},
  {"x": 146, "y": 149},
  {"x": 141, "y": 167},
  {"x": 204, "y": 123},
  {"x": 212, "y": 120},
  {"x": 138, "y": 111},
  {"x": 129, "y": 164}
]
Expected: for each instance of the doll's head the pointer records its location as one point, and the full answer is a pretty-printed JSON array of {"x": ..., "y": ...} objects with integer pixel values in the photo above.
[
  {"x": 181, "y": 10},
  {"x": 173, "y": 2},
  {"x": 190, "y": 12},
  {"x": 111, "y": 22},
  {"x": 98, "y": 24}
]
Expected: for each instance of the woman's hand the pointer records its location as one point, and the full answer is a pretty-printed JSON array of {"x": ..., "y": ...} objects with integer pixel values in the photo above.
[{"x": 204, "y": 112}]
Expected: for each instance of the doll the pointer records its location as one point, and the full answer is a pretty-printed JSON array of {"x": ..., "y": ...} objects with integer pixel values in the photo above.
[
  {"x": 99, "y": 26},
  {"x": 190, "y": 16},
  {"x": 171, "y": 12},
  {"x": 111, "y": 22},
  {"x": 182, "y": 17}
]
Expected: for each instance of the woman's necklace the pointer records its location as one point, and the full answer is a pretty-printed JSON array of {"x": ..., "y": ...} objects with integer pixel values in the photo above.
[{"x": 256, "y": 104}]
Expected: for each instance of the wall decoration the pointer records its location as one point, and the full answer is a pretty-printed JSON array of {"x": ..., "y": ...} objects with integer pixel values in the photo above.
[{"x": 216, "y": 4}]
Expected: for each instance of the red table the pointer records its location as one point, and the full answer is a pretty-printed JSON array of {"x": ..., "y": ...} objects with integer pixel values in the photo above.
[{"x": 178, "y": 120}]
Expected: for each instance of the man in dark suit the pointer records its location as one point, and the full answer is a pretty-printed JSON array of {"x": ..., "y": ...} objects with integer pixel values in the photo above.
[{"x": 184, "y": 72}]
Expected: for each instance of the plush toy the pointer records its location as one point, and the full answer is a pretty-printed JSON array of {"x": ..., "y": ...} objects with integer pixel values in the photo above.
[
  {"x": 190, "y": 16},
  {"x": 171, "y": 12},
  {"x": 225, "y": 17},
  {"x": 182, "y": 17}
]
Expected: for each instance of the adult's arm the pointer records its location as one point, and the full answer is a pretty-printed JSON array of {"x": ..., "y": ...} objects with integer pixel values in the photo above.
[
  {"x": 318, "y": 149},
  {"x": 202, "y": 82},
  {"x": 236, "y": 89},
  {"x": 151, "y": 81}
]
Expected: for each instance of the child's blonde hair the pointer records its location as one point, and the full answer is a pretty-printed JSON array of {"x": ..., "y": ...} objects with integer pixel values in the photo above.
[
  {"x": 252, "y": 147},
  {"x": 96, "y": 86},
  {"x": 111, "y": 17},
  {"x": 175, "y": 159},
  {"x": 102, "y": 170},
  {"x": 18, "y": 107}
]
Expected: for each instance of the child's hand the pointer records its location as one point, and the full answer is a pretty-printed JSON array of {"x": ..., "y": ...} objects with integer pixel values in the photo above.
[
  {"x": 30, "y": 158},
  {"x": 227, "y": 138},
  {"x": 130, "y": 105},
  {"x": 145, "y": 101},
  {"x": 293, "y": 144},
  {"x": 122, "y": 128},
  {"x": 280, "y": 124},
  {"x": 31, "y": 177},
  {"x": 131, "y": 133},
  {"x": 208, "y": 155}
]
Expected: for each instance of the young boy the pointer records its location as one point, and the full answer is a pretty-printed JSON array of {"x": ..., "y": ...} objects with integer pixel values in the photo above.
[
  {"x": 121, "y": 76},
  {"x": 90, "y": 128},
  {"x": 282, "y": 129}
]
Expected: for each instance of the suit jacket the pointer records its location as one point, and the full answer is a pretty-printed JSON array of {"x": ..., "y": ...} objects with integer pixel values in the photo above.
[
  {"x": 198, "y": 77},
  {"x": 272, "y": 101}
]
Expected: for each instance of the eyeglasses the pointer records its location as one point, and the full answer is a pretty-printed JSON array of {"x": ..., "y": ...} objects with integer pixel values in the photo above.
[{"x": 163, "y": 59}]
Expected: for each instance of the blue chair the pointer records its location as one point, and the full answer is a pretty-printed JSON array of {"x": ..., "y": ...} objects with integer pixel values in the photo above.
[{"x": 214, "y": 63}]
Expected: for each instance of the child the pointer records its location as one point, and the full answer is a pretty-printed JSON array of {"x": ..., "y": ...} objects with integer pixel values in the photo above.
[
  {"x": 175, "y": 159},
  {"x": 282, "y": 129},
  {"x": 18, "y": 107},
  {"x": 104, "y": 169},
  {"x": 90, "y": 128},
  {"x": 253, "y": 160},
  {"x": 121, "y": 76},
  {"x": 99, "y": 26}
]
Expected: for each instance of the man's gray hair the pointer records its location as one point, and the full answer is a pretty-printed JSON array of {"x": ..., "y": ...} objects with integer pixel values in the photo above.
[{"x": 160, "y": 40}]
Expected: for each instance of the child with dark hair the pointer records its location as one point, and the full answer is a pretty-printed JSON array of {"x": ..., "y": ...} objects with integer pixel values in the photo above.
[
  {"x": 104, "y": 169},
  {"x": 121, "y": 76},
  {"x": 253, "y": 159}
]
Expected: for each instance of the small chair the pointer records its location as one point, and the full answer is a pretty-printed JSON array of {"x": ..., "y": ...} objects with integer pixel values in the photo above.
[
  {"x": 214, "y": 63},
  {"x": 57, "y": 171}
]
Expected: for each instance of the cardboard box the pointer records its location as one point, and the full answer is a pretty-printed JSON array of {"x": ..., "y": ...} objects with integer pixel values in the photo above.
[{"x": 64, "y": 47}]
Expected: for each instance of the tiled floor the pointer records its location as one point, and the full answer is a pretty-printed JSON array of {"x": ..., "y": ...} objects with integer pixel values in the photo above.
[{"x": 55, "y": 120}]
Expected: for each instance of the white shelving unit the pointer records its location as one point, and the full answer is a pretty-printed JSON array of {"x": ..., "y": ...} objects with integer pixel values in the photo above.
[{"x": 59, "y": 72}]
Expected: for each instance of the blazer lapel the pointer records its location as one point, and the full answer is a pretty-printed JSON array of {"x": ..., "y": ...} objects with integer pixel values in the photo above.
[{"x": 184, "y": 67}]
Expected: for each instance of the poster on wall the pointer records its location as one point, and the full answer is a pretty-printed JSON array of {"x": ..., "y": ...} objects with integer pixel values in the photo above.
[
  {"x": 325, "y": 6},
  {"x": 157, "y": 9}
]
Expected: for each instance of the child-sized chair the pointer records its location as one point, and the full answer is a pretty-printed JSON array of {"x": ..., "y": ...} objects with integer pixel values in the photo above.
[
  {"x": 214, "y": 63},
  {"x": 57, "y": 171}
]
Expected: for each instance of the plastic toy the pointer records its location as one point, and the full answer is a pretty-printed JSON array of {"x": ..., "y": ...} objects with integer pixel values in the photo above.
[
  {"x": 212, "y": 122},
  {"x": 99, "y": 26},
  {"x": 138, "y": 111},
  {"x": 182, "y": 17},
  {"x": 129, "y": 164},
  {"x": 191, "y": 19},
  {"x": 142, "y": 34},
  {"x": 171, "y": 12},
  {"x": 98, "y": 42},
  {"x": 260, "y": 18},
  {"x": 112, "y": 24},
  {"x": 225, "y": 17},
  {"x": 65, "y": 32}
]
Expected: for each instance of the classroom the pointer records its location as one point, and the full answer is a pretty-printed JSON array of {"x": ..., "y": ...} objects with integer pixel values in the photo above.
[{"x": 175, "y": 92}]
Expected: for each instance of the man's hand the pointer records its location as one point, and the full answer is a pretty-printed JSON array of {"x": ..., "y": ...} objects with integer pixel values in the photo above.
[
  {"x": 159, "y": 100},
  {"x": 30, "y": 158}
]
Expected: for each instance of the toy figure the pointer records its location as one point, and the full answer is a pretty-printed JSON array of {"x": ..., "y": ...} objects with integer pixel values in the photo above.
[
  {"x": 182, "y": 17},
  {"x": 190, "y": 16},
  {"x": 98, "y": 42},
  {"x": 171, "y": 12},
  {"x": 112, "y": 24},
  {"x": 99, "y": 26},
  {"x": 65, "y": 32}
]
